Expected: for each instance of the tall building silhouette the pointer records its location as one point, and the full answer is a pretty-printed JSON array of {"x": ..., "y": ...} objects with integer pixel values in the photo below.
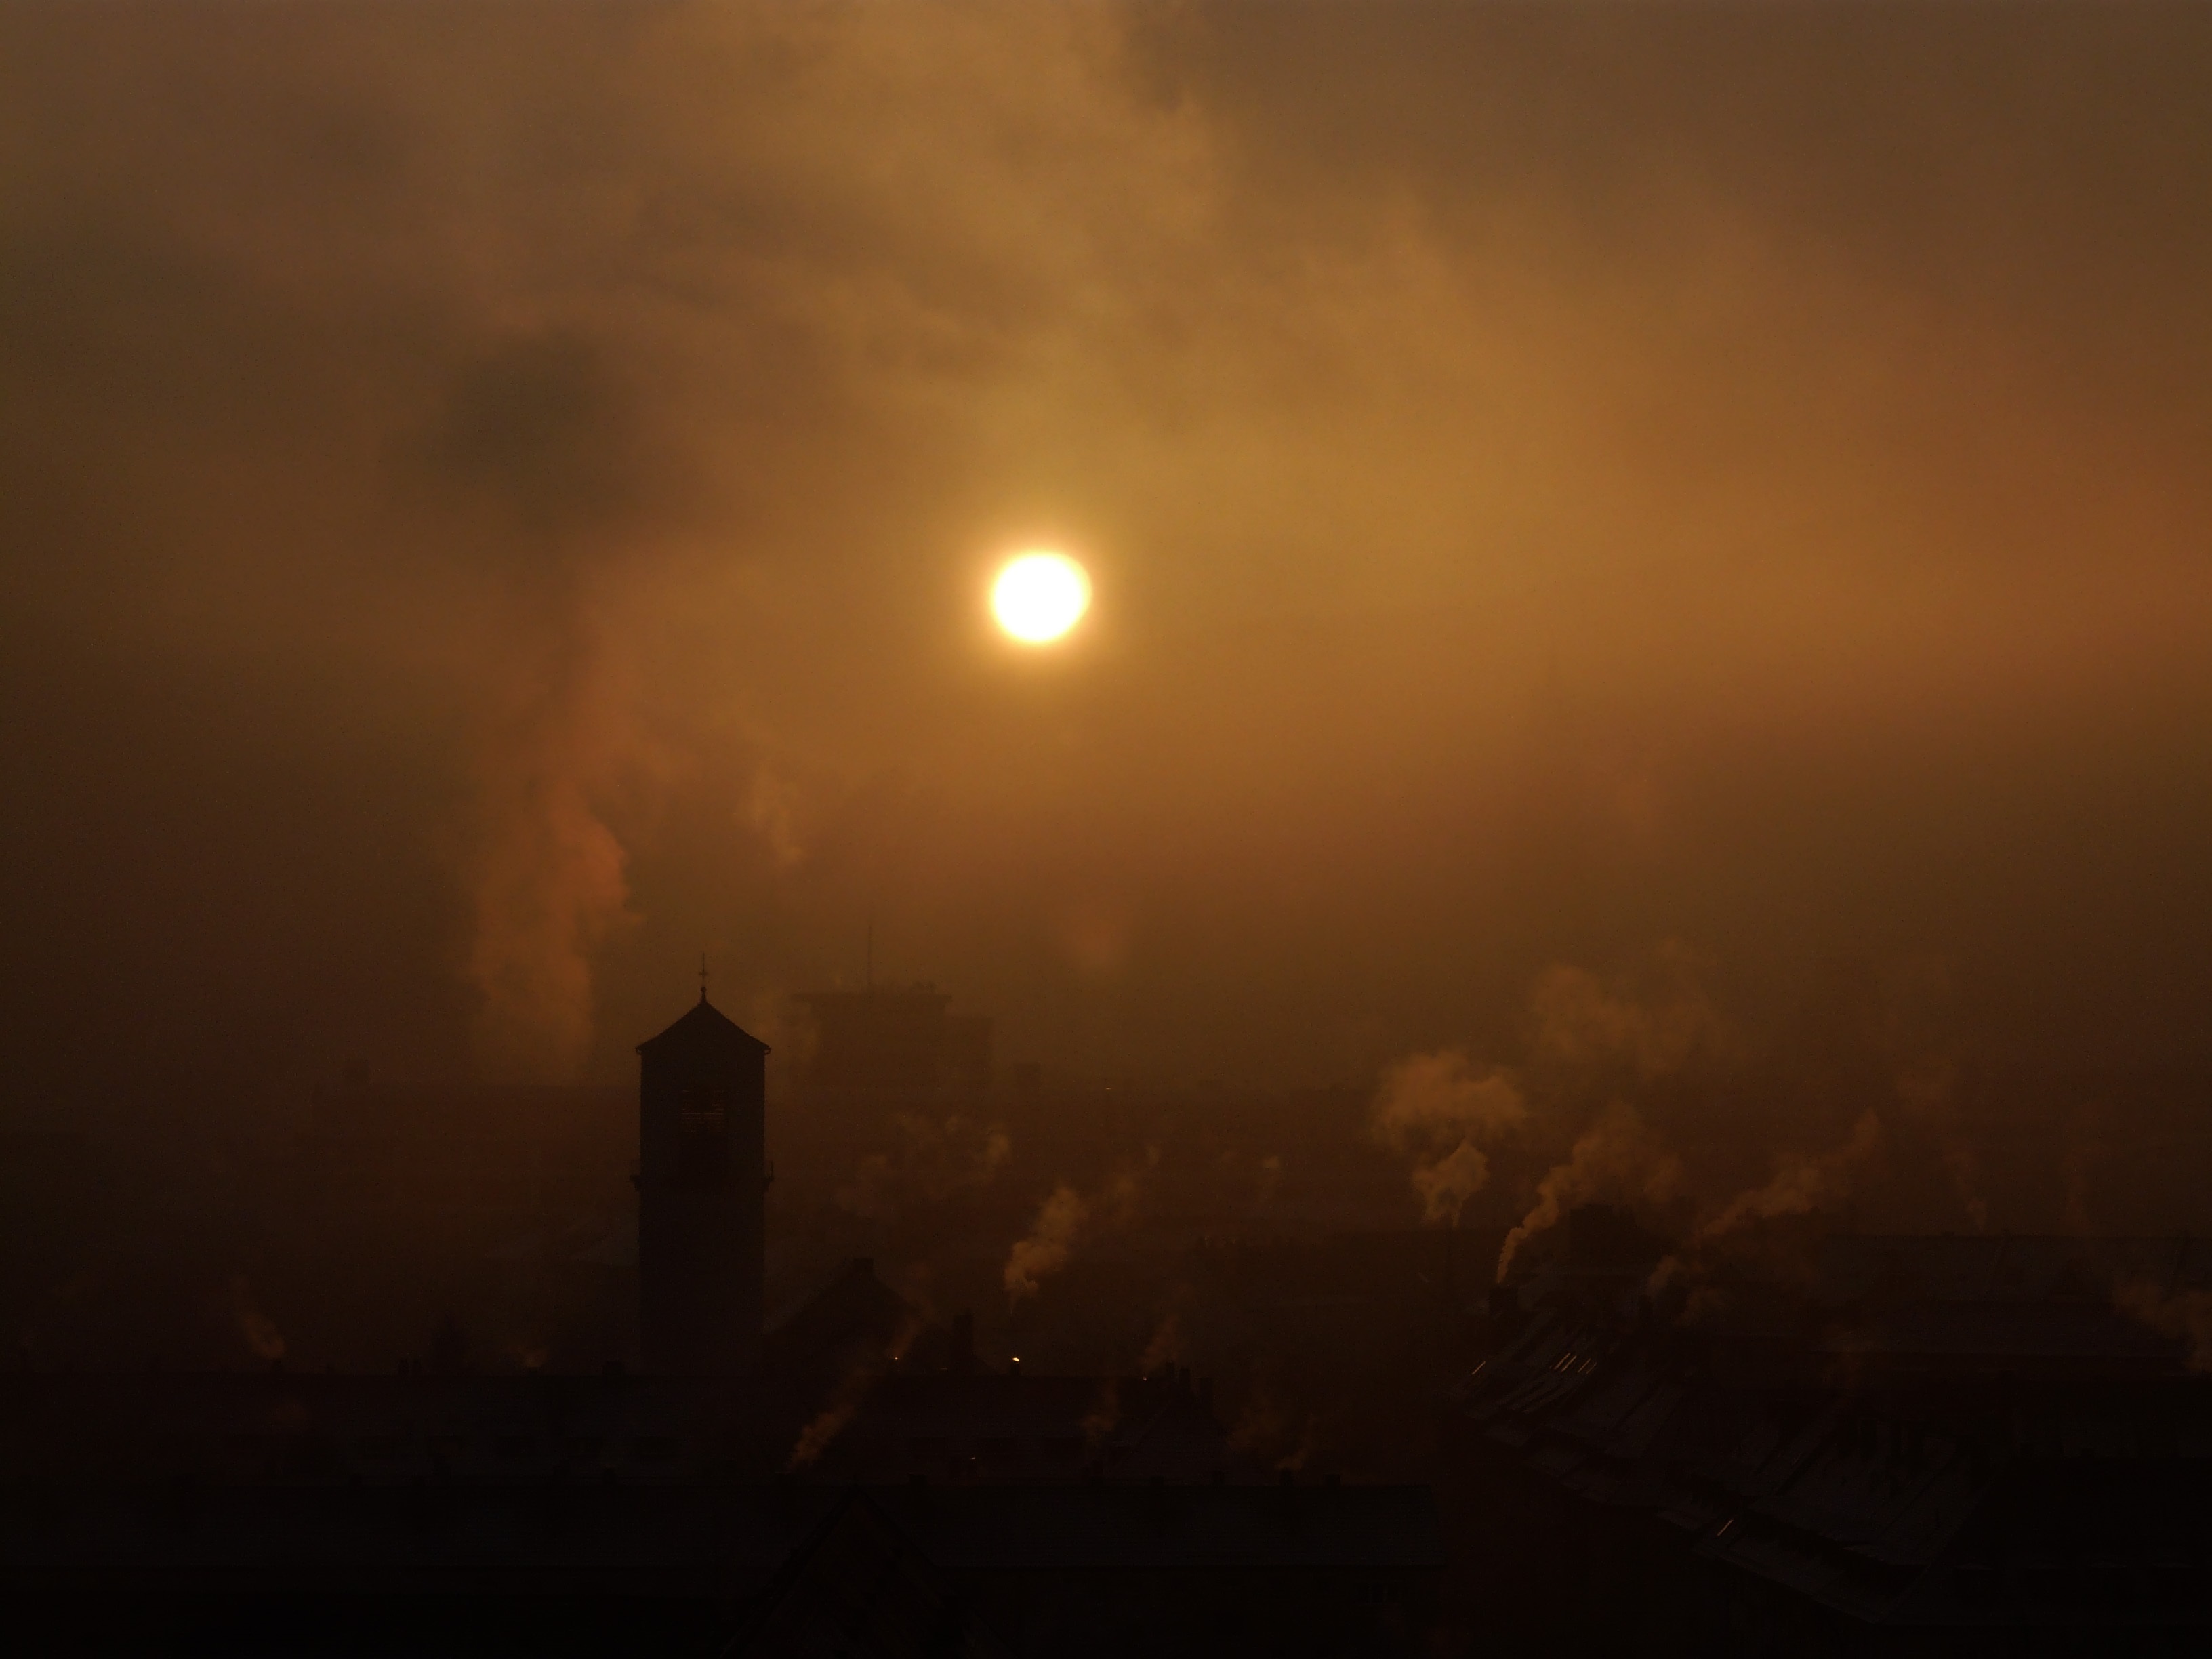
[
  {"x": 895, "y": 1038},
  {"x": 702, "y": 1193}
]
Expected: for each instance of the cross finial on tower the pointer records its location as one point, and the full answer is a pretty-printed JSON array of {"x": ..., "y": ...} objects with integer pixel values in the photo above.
[{"x": 703, "y": 975}]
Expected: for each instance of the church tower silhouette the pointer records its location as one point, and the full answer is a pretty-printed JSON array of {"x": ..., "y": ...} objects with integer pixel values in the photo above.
[{"x": 701, "y": 1194}]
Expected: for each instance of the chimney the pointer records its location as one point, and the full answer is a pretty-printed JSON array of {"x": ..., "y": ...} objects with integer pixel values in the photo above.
[{"x": 961, "y": 1360}]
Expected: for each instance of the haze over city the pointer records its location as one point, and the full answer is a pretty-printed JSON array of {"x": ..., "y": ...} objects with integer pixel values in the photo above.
[{"x": 1403, "y": 621}]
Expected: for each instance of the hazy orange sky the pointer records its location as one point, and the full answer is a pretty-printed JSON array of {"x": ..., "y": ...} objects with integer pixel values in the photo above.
[{"x": 498, "y": 500}]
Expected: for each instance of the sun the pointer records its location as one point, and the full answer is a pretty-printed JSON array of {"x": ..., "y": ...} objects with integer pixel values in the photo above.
[{"x": 1039, "y": 596}]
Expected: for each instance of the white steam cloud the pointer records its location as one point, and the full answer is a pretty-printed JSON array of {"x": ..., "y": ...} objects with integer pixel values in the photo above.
[
  {"x": 1439, "y": 1110},
  {"x": 1617, "y": 1158}
]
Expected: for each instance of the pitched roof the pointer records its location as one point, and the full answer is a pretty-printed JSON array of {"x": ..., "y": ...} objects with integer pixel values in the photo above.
[
  {"x": 704, "y": 1024},
  {"x": 855, "y": 1314}
]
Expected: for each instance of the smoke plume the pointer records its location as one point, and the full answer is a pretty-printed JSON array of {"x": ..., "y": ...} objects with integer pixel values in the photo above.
[
  {"x": 846, "y": 1398},
  {"x": 1801, "y": 1184},
  {"x": 825, "y": 1426},
  {"x": 1437, "y": 1109},
  {"x": 1065, "y": 1215},
  {"x": 1616, "y": 1157},
  {"x": 1051, "y": 1240},
  {"x": 548, "y": 890},
  {"x": 1445, "y": 1186}
]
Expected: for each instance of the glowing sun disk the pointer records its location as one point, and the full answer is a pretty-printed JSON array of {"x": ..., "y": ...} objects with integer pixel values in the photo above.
[{"x": 1039, "y": 596}]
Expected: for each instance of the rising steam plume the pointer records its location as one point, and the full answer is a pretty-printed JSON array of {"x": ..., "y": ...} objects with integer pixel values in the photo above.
[
  {"x": 540, "y": 439},
  {"x": 1050, "y": 1241},
  {"x": 822, "y": 1430},
  {"x": 1618, "y": 1157},
  {"x": 549, "y": 887},
  {"x": 1064, "y": 1217},
  {"x": 1801, "y": 1184},
  {"x": 1441, "y": 1111}
]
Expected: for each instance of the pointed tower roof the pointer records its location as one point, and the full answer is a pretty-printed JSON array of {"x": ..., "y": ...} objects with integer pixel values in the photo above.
[{"x": 704, "y": 1026}]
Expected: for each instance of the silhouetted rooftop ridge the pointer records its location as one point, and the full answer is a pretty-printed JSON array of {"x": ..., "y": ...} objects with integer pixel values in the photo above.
[{"x": 703, "y": 1023}]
